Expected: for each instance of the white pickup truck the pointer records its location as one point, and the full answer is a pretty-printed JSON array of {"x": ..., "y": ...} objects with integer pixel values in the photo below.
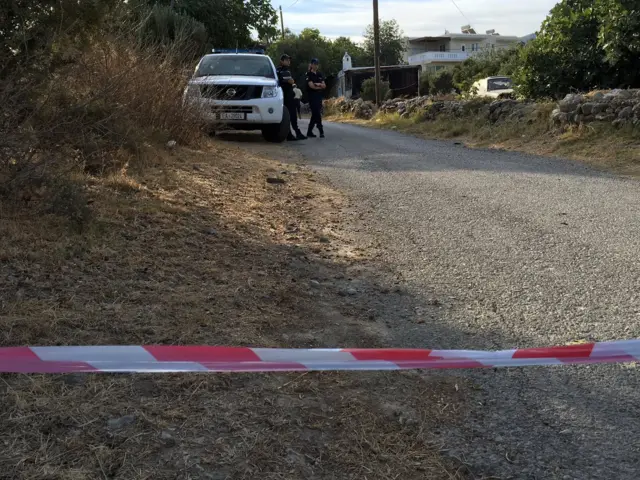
[
  {"x": 237, "y": 90},
  {"x": 496, "y": 87}
]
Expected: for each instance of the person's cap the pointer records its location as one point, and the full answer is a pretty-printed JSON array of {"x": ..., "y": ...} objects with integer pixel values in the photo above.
[
  {"x": 284, "y": 56},
  {"x": 314, "y": 61}
]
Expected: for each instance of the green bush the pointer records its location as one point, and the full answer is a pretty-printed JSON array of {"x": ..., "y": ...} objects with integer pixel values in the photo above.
[
  {"x": 425, "y": 84},
  {"x": 368, "y": 90},
  {"x": 440, "y": 83}
]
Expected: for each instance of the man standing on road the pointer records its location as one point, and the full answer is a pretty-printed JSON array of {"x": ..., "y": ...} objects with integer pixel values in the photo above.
[
  {"x": 286, "y": 82},
  {"x": 315, "y": 88},
  {"x": 298, "y": 96}
]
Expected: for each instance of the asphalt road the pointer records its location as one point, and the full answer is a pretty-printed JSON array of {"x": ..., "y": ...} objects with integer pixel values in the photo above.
[{"x": 519, "y": 251}]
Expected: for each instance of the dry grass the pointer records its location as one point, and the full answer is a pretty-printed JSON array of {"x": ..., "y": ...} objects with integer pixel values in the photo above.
[
  {"x": 94, "y": 114},
  {"x": 601, "y": 146},
  {"x": 196, "y": 248}
]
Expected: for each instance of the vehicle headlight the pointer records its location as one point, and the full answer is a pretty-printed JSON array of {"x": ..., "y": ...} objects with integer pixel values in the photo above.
[
  {"x": 192, "y": 91},
  {"x": 269, "y": 92}
]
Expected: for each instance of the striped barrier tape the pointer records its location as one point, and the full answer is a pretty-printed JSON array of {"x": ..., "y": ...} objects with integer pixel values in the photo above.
[{"x": 242, "y": 359}]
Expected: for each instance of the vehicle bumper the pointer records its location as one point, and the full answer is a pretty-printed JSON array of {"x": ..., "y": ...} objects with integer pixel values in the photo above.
[{"x": 259, "y": 111}]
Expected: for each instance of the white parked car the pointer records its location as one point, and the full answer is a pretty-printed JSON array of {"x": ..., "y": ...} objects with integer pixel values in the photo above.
[
  {"x": 496, "y": 87},
  {"x": 237, "y": 90}
]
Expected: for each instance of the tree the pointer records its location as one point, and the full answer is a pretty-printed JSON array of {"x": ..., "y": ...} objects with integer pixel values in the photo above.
[
  {"x": 36, "y": 33},
  {"x": 619, "y": 39},
  {"x": 342, "y": 45},
  {"x": 164, "y": 26},
  {"x": 230, "y": 23},
  {"x": 392, "y": 43},
  {"x": 302, "y": 48},
  {"x": 565, "y": 55},
  {"x": 310, "y": 43}
]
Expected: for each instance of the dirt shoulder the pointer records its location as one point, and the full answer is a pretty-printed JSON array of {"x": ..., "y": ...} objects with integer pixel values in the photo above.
[{"x": 201, "y": 248}]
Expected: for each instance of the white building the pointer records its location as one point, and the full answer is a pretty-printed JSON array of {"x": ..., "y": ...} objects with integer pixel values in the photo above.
[{"x": 435, "y": 53}]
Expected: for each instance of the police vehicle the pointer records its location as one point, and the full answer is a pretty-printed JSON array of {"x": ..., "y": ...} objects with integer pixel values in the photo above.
[{"x": 239, "y": 89}]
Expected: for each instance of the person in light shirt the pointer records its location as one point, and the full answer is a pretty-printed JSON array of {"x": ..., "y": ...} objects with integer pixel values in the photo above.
[{"x": 298, "y": 98}]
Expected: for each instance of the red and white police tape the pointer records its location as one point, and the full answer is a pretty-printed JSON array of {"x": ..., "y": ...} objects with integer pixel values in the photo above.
[{"x": 241, "y": 359}]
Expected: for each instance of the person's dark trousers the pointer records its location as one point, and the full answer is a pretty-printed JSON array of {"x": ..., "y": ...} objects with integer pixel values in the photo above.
[
  {"x": 315, "y": 103},
  {"x": 298, "y": 102},
  {"x": 293, "y": 115}
]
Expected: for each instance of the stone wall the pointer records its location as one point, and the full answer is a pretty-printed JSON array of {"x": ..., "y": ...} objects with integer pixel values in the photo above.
[
  {"x": 358, "y": 108},
  {"x": 617, "y": 107},
  {"x": 430, "y": 108}
]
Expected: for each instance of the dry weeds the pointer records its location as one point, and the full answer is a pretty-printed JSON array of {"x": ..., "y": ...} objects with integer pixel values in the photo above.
[{"x": 197, "y": 248}]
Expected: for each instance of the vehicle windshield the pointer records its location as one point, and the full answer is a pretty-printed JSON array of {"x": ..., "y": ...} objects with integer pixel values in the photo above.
[
  {"x": 503, "y": 83},
  {"x": 244, "y": 65}
]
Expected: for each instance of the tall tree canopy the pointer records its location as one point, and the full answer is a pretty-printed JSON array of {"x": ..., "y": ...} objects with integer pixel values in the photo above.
[
  {"x": 31, "y": 28},
  {"x": 230, "y": 23},
  {"x": 392, "y": 43},
  {"x": 583, "y": 44},
  {"x": 50, "y": 28},
  {"x": 311, "y": 43}
]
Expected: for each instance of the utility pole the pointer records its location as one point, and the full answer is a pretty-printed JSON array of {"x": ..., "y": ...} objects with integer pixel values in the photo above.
[
  {"x": 281, "y": 23},
  {"x": 376, "y": 48}
]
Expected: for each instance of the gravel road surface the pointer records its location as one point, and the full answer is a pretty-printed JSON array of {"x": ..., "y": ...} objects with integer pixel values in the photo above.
[{"x": 517, "y": 251}]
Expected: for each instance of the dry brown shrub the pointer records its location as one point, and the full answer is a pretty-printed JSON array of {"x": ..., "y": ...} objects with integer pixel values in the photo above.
[{"x": 93, "y": 115}]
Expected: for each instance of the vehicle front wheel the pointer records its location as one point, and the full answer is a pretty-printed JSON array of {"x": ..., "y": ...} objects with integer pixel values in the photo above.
[{"x": 278, "y": 132}]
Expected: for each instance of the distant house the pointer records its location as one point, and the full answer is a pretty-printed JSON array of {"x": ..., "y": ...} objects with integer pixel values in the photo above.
[
  {"x": 435, "y": 53},
  {"x": 403, "y": 79}
]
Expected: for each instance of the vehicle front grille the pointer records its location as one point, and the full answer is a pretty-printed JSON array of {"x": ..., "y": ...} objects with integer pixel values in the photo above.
[
  {"x": 232, "y": 109},
  {"x": 231, "y": 92}
]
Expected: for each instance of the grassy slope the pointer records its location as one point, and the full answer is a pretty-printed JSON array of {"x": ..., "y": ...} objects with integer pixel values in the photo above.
[{"x": 196, "y": 248}]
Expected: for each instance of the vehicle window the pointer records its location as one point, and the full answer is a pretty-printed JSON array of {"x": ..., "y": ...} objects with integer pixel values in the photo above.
[
  {"x": 499, "y": 84},
  {"x": 235, "y": 65}
]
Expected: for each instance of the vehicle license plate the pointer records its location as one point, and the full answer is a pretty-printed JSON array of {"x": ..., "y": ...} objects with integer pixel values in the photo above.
[{"x": 231, "y": 116}]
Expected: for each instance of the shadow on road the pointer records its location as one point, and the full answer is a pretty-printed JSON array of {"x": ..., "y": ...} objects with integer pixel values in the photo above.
[{"x": 537, "y": 422}]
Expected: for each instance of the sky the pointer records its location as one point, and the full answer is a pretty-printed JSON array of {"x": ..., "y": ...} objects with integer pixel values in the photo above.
[{"x": 417, "y": 18}]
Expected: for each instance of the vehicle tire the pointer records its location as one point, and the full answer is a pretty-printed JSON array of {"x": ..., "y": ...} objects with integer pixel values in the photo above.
[{"x": 278, "y": 132}]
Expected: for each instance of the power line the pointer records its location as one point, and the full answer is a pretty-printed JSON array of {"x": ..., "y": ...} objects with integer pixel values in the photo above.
[{"x": 461, "y": 12}]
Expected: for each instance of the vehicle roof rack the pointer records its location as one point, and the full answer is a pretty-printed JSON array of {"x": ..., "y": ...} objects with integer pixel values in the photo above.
[{"x": 258, "y": 51}]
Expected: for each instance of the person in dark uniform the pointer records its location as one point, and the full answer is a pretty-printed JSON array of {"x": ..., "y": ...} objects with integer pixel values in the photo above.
[
  {"x": 315, "y": 91},
  {"x": 286, "y": 82}
]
